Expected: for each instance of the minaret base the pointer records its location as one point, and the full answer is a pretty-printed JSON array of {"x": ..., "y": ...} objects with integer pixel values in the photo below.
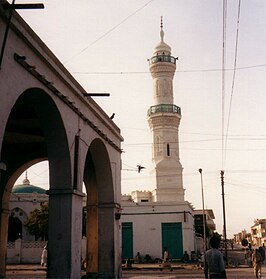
[{"x": 168, "y": 195}]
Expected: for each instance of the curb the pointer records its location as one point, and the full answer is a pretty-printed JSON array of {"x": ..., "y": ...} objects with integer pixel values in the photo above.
[{"x": 25, "y": 267}]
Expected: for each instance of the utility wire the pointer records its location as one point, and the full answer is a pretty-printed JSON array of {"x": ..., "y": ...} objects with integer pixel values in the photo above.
[
  {"x": 177, "y": 71},
  {"x": 233, "y": 81},
  {"x": 223, "y": 73},
  {"x": 109, "y": 31}
]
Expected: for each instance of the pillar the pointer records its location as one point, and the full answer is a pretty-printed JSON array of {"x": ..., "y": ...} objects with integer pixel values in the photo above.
[
  {"x": 64, "y": 237},
  {"x": 3, "y": 240}
]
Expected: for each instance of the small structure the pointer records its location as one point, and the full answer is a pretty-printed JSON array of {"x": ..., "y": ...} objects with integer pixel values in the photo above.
[{"x": 148, "y": 226}]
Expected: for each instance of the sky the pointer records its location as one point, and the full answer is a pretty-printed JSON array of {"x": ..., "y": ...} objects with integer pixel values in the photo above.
[{"x": 105, "y": 45}]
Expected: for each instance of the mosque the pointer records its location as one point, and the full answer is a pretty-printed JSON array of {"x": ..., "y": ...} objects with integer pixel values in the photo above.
[
  {"x": 24, "y": 198},
  {"x": 23, "y": 247},
  {"x": 152, "y": 220}
]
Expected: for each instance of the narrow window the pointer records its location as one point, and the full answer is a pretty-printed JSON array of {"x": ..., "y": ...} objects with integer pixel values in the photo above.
[{"x": 168, "y": 149}]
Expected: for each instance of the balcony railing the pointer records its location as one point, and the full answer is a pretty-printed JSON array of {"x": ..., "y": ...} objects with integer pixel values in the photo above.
[
  {"x": 162, "y": 58},
  {"x": 164, "y": 108}
]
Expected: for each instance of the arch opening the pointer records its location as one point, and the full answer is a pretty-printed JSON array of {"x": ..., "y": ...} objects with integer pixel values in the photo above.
[
  {"x": 34, "y": 132},
  {"x": 100, "y": 211}
]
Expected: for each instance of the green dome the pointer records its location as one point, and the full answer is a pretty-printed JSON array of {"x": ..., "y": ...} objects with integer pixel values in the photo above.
[{"x": 27, "y": 188}]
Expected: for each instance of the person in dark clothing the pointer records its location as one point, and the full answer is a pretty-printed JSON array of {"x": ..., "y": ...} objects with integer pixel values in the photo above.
[
  {"x": 256, "y": 261},
  {"x": 262, "y": 252},
  {"x": 214, "y": 266}
]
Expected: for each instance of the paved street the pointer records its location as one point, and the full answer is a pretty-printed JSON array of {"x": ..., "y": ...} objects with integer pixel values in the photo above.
[
  {"x": 243, "y": 273},
  {"x": 150, "y": 273}
]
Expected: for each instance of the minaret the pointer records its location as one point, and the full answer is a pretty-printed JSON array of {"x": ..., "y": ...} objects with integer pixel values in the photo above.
[{"x": 164, "y": 118}]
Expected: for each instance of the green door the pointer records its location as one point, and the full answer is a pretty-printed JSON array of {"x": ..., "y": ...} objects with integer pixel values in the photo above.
[
  {"x": 172, "y": 239},
  {"x": 127, "y": 240}
]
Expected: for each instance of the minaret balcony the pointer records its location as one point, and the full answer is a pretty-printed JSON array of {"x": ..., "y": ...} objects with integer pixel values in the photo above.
[
  {"x": 168, "y": 108},
  {"x": 162, "y": 58}
]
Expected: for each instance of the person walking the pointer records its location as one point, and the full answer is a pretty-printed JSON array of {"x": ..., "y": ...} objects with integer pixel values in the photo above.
[
  {"x": 166, "y": 263},
  {"x": 214, "y": 266},
  {"x": 44, "y": 256},
  {"x": 264, "y": 249},
  {"x": 262, "y": 253},
  {"x": 256, "y": 261}
]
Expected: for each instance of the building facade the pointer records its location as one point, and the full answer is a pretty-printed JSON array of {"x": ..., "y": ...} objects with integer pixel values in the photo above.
[
  {"x": 202, "y": 218},
  {"x": 152, "y": 220},
  {"x": 23, "y": 247},
  {"x": 258, "y": 232},
  {"x": 24, "y": 198},
  {"x": 47, "y": 115}
]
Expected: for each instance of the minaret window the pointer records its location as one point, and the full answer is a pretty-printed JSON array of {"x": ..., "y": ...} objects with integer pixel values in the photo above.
[{"x": 168, "y": 149}]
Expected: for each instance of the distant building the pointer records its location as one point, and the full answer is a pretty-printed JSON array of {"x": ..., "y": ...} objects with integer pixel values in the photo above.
[
  {"x": 210, "y": 227},
  {"x": 239, "y": 237},
  {"x": 24, "y": 198},
  {"x": 209, "y": 217},
  {"x": 153, "y": 220},
  {"x": 22, "y": 246},
  {"x": 258, "y": 232}
]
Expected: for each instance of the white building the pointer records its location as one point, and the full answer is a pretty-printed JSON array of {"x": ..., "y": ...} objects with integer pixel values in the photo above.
[
  {"x": 161, "y": 218},
  {"x": 22, "y": 246},
  {"x": 24, "y": 198},
  {"x": 258, "y": 232}
]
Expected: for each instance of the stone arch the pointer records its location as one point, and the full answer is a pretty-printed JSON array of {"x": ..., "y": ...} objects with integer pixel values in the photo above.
[
  {"x": 34, "y": 132},
  {"x": 100, "y": 212}
]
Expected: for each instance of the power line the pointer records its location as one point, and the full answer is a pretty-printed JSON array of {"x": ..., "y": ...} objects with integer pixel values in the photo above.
[
  {"x": 252, "y": 188},
  {"x": 192, "y": 141},
  {"x": 177, "y": 71},
  {"x": 109, "y": 31},
  {"x": 233, "y": 80},
  {"x": 223, "y": 73}
]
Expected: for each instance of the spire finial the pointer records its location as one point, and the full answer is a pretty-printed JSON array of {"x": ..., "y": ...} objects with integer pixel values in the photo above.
[
  {"x": 162, "y": 33},
  {"x": 26, "y": 180}
]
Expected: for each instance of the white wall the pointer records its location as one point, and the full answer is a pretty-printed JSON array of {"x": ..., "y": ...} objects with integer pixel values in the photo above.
[
  {"x": 27, "y": 252},
  {"x": 147, "y": 219}
]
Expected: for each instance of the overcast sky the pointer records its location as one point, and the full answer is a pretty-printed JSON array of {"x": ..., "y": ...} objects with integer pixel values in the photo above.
[{"x": 105, "y": 44}]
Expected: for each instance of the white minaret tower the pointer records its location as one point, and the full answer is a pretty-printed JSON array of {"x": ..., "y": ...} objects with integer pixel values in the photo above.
[{"x": 164, "y": 118}]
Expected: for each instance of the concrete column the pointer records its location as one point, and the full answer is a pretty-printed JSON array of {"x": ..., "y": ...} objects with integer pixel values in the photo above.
[
  {"x": 92, "y": 231},
  {"x": 4, "y": 214},
  {"x": 65, "y": 230},
  {"x": 3, "y": 240},
  {"x": 109, "y": 239},
  {"x": 106, "y": 241}
]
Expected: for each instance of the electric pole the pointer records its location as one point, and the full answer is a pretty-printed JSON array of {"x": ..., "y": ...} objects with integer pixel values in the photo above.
[
  {"x": 225, "y": 237},
  {"x": 203, "y": 212}
]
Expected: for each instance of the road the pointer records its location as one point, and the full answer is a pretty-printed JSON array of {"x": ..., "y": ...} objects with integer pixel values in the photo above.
[
  {"x": 234, "y": 273},
  {"x": 243, "y": 273}
]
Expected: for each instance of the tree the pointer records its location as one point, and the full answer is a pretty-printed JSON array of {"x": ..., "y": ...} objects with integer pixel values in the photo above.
[{"x": 37, "y": 222}]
